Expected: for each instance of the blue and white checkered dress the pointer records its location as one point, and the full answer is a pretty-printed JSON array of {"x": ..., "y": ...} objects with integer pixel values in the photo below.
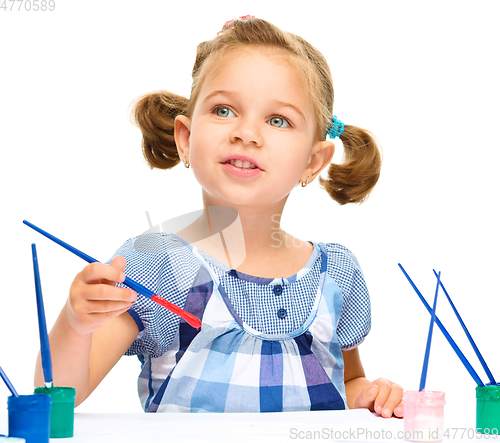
[{"x": 265, "y": 344}]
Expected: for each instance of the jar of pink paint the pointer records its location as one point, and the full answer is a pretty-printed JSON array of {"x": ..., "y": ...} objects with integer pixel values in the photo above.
[{"x": 423, "y": 418}]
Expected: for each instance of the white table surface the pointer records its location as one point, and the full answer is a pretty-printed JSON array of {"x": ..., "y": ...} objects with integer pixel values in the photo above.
[{"x": 338, "y": 426}]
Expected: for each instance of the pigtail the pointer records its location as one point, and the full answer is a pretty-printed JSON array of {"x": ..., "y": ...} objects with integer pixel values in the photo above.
[
  {"x": 352, "y": 181},
  {"x": 155, "y": 114}
]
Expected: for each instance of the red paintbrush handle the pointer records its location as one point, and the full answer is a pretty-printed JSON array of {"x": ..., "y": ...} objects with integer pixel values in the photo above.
[{"x": 190, "y": 318}]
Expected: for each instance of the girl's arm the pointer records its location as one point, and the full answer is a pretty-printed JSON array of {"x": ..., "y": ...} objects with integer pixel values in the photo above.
[
  {"x": 381, "y": 396},
  {"x": 93, "y": 329}
]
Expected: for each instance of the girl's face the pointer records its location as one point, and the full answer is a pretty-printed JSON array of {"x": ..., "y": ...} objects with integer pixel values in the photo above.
[{"x": 252, "y": 133}]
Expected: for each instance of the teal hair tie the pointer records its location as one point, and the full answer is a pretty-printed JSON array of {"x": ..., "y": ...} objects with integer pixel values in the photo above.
[{"x": 337, "y": 128}]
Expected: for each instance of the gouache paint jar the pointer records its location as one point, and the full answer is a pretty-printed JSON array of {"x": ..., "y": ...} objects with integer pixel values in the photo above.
[
  {"x": 423, "y": 417},
  {"x": 62, "y": 415},
  {"x": 488, "y": 409},
  {"x": 29, "y": 417}
]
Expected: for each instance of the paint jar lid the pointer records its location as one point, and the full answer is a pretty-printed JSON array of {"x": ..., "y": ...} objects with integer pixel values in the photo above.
[
  {"x": 424, "y": 398},
  {"x": 58, "y": 393},
  {"x": 5, "y": 439},
  {"x": 28, "y": 403},
  {"x": 488, "y": 392}
]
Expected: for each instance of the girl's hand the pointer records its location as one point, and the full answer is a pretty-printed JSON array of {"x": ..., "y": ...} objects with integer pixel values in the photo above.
[
  {"x": 383, "y": 397},
  {"x": 93, "y": 298}
]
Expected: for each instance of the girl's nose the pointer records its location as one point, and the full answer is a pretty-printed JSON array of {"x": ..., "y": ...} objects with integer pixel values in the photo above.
[{"x": 247, "y": 130}]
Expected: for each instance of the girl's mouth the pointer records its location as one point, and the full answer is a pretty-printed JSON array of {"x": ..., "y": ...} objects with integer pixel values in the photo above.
[
  {"x": 241, "y": 165},
  {"x": 241, "y": 171},
  {"x": 241, "y": 161}
]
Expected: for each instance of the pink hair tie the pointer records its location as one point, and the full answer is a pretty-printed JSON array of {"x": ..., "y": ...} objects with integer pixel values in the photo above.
[{"x": 230, "y": 23}]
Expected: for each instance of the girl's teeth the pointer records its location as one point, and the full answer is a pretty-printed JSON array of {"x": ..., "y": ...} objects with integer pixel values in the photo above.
[{"x": 243, "y": 165}]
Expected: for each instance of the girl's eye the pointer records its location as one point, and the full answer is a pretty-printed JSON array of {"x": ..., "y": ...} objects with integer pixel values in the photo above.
[
  {"x": 279, "y": 122},
  {"x": 224, "y": 112}
]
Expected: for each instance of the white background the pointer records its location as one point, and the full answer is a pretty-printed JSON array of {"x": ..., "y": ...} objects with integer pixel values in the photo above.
[{"x": 423, "y": 76}]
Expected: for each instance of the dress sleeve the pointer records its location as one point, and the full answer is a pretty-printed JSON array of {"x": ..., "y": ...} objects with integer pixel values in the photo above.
[
  {"x": 158, "y": 272},
  {"x": 355, "y": 319}
]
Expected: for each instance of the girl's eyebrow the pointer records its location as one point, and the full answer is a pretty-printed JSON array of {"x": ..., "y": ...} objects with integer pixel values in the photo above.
[
  {"x": 219, "y": 92},
  {"x": 289, "y": 105},
  {"x": 275, "y": 102}
]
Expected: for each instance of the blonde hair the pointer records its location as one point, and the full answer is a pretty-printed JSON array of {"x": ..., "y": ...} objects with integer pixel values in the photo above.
[{"x": 155, "y": 112}]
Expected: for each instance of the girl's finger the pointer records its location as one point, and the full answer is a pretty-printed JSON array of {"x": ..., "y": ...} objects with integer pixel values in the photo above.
[
  {"x": 98, "y": 272},
  {"x": 393, "y": 402},
  {"x": 384, "y": 392},
  {"x": 366, "y": 397},
  {"x": 107, "y": 307},
  {"x": 399, "y": 411},
  {"x": 100, "y": 292},
  {"x": 119, "y": 263}
]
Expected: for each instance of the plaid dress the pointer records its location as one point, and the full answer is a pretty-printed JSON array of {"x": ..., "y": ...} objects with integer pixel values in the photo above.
[{"x": 265, "y": 345}]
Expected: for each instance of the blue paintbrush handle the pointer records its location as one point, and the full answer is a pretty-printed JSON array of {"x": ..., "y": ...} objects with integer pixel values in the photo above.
[
  {"x": 128, "y": 281},
  {"x": 8, "y": 383},
  {"x": 471, "y": 341},
  {"x": 42, "y": 325},
  {"x": 429, "y": 339},
  {"x": 65, "y": 245},
  {"x": 457, "y": 350},
  {"x": 137, "y": 287},
  {"x": 190, "y": 318}
]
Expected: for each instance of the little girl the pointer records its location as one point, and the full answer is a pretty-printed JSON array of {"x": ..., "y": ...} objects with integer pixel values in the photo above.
[{"x": 280, "y": 328}]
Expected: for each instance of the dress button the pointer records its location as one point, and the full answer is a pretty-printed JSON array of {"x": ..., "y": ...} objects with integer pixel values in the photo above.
[
  {"x": 278, "y": 290},
  {"x": 281, "y": 313}
]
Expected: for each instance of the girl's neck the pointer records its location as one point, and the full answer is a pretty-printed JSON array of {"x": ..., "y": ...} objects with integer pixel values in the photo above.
[
  {"x": 248, "y": 239},
  {"x": 258, "y": 227}
]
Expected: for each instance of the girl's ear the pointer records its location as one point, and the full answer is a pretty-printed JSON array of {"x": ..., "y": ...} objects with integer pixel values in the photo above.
[
  {"x": 182, "y": 132},
  {"x": 320, "y": 158}
]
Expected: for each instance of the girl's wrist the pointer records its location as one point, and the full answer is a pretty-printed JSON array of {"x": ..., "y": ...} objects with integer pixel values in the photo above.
[{"x": 69, "y": 325}]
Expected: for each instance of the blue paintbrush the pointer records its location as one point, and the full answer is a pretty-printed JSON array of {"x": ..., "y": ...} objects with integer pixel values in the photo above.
[
  {"x": 457, "y": 350},
  {"x": 137, "y": 287},
  {"x": 429, "y": 339},
  {"x": 8, "y": 383},
  {"x": 473, "y": 344},
  {"x": 42, "y": 325}
]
